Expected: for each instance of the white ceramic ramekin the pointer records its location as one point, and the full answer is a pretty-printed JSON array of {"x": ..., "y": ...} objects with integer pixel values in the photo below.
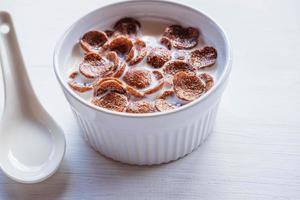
[{"x": 151, "y": 138}]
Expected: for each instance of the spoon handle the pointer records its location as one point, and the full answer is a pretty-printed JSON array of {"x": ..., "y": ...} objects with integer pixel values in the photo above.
[{"x": 18, "y": 91}]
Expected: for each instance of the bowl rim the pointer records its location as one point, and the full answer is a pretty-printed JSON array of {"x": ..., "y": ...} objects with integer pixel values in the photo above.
[{"x": 222, "y": 78}]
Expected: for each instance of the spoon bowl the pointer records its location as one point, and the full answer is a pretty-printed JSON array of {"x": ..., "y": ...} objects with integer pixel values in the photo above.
[
  {"x": 32, "y": 145},
  {"x": 30, "y": 151}
]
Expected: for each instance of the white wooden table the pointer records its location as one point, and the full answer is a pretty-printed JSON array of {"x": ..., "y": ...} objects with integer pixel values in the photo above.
[{"x": 254, "y": 151}]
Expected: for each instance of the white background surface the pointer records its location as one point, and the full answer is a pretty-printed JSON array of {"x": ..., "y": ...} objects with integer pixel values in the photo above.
[{"x": 254, "y": 151}]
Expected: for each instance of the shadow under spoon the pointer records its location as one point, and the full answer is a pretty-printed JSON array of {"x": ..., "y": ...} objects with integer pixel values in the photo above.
[{"x": 32, "y": 145}]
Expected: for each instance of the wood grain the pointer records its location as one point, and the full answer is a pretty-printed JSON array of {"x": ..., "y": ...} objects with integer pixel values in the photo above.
[{"x": 254, "y": 151}]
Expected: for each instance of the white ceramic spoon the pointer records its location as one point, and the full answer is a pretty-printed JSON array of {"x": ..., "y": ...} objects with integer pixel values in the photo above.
[{"x": 32, "y": 145}]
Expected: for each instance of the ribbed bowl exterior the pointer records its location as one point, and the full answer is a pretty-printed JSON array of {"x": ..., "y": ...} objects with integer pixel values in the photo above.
[{"x": 148, "y": 149}]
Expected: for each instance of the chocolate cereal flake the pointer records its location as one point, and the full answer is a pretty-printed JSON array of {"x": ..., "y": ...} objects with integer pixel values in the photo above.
[
  {"x": 154, "y": 88},
  {"x": 112, "y": 101},
  {"x": 114, "y": 58},
  {"x": 142, "y": 106},
  {"x": 138, "y": 78},
  {"x": 109, "y": 33},
  {"x": 208, "y": 80},
  {"x": 127, "y": 25},
  {"x": 182, "y": 38},
  {"x": 187, "y": 86},
  {"x": 120, "y": 70},
  {"x": 137, "y": 53},
  {"x": 73, "y": 74},
  {"x": 130, "y": 55},
  {"x": 134, "y": 92},
  {"x": 167, "y": 42},
  {"x": 203, "y": 57},
  {"x": 94, "y": 66},
  {"x": 101, "y": 80},
  {"x": 109, "y": 85},
  {"x": 158, "y": 57},
  {"x": 173, "y": 66},
  {"x": 157, "y": 74},
  {"x": 163, "y": 105},
  {"x": 121, "y": 44},
  {"x": 79, "y": 87},
  {"x": 93, "y": 41},
  {"x": 166, "y": 94}
]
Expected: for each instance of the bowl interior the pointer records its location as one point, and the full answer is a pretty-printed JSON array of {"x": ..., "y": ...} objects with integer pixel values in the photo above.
[{"x": 67, "y": 52}]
